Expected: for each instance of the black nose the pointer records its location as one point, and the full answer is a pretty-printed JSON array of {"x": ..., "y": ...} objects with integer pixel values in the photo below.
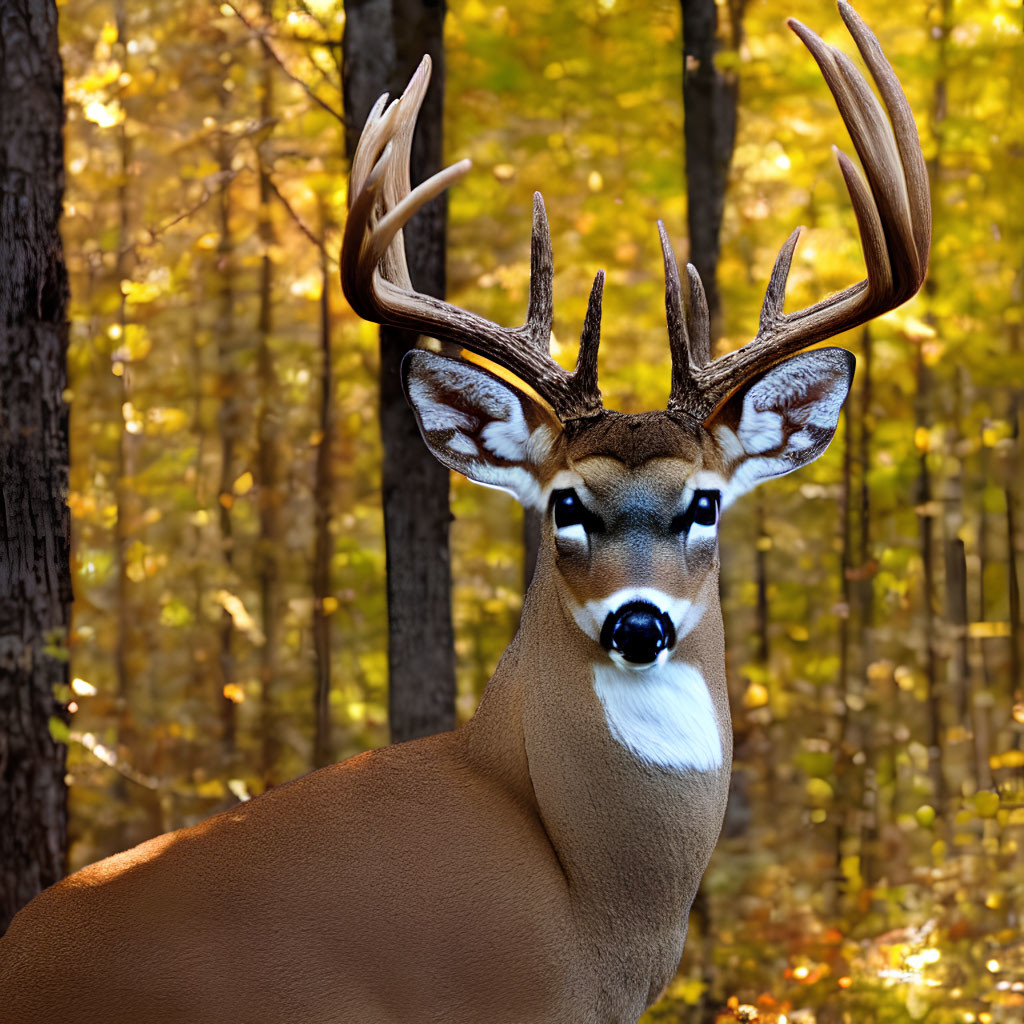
[{"x": 638, "y": 631}]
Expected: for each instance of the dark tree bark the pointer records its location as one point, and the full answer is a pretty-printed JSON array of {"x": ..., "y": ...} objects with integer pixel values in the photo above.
[
  {"x": 229, "y": 422},
  {"x": 922, "y": 417},
  {"x": 267, "y": 460},
  {"x": 323, "y": 494},
  {"x": 709, "y": 125},
  {"x": 383, "y": 42},
  {"x": 35, "y": 578}
]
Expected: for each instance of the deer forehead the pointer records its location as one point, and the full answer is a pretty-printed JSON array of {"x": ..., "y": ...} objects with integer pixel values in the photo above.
[
  {"x": 619, "y": 456},
  {"x": 605, "y": 484},
  {"x": 635, "y": 438}
]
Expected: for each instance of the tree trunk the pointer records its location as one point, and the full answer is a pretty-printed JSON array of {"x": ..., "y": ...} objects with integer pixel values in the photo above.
[
  {"x": 382, "y": 45},
  {"x": 322, "y": 496},
  {"x": 267, "y": 426},
  {"x": 35, "y": 576},
  {"x": 229, "y": 424},
  {"x": 926, "y": 543},
  {"x": 922, "y": 415},
  {"x": 709, "y": 126}
]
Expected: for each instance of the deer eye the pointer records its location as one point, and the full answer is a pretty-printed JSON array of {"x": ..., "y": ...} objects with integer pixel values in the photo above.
[
  {"x": 570, "y": 511},
  {"x": 703, "y": 511},
  {"x": 704, "y": 507}
]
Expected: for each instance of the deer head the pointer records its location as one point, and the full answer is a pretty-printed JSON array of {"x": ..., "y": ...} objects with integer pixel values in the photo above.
[{"x": 632, "y": 501}]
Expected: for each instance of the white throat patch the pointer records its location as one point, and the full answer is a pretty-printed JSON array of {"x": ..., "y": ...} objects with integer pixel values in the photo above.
[{"x": 663, "y": 716}]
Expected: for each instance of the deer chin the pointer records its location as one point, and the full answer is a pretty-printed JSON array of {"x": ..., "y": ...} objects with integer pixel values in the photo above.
[{"x": 663, "y": 716}]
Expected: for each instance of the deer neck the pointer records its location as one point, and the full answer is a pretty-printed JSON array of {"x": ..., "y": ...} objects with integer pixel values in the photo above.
[{"x": 601, "y": 752}]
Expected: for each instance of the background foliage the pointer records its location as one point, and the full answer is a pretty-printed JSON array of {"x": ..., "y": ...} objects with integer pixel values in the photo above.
[{"x": 870, "y": 868}]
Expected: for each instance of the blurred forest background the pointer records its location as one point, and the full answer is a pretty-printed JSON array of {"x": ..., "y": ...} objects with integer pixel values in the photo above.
[{"x": 228, "y": 548}]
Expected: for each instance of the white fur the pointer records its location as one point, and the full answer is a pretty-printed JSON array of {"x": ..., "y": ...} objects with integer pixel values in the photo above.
[
  {"x": 760, "y": 429},
  {"x": 683, "y": 613},
  {"x": 565, "y": 480},
  {"x": 515, "y": 480},
  {"x": 576, "y": 533},
  {"x": 698, "y": 533},
  {"x": 508, "y": 438},
  {"x": 485, "y": 393},
  {"x": 664, "y": 716},
  {"x": 463, "y": 444},
  {"x": 434, "y": 413},
  {"x": 728, "y": 444}
]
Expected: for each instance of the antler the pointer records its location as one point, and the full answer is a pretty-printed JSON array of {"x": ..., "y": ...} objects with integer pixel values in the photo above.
[
  {"x": 892, "y": 209},
  {"x": 375, "y": 277},
  {"x": 893, "y": 214}
]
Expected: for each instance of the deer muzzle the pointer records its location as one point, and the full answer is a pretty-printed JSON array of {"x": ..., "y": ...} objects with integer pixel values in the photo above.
[{"x": 638, "y": 632}]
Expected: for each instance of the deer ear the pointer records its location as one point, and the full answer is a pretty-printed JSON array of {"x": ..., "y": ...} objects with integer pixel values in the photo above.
[
  {"x": 478, "y": 424},
  {"x": 781, "y": 421}
]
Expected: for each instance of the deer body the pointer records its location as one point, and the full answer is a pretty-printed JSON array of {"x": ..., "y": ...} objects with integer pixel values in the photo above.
[
  {"x": 538, "y": 864},
  {"x": 550, "y": 881}
]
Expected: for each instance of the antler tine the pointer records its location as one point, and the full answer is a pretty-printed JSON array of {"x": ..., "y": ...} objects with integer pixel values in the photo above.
[
  {"x": 699, "y": 317},
  {"x": 678, "y": 335},
  {"x": 689, "y": 326},
  {"x": 540, "y": 313},
  {"x": 584, "y": 378},
  {"x": 893, "y": 214},
  {"x": 375, "y": 277}
]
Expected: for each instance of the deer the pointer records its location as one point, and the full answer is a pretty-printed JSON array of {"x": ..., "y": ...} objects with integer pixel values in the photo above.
[{"x": 537, "y": 864}]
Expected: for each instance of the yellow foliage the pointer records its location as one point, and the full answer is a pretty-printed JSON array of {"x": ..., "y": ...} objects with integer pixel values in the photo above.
[
  {"x": 234, "y": 693},
  {"x": 819, "y": 790},
  {"x": 211, "y": 789},
  {"x": 755, "y": 695},
  {"x": 984, "y": 630},
  {"x": 1008, "y": 759},
  {"x": 106, "y": 115}
]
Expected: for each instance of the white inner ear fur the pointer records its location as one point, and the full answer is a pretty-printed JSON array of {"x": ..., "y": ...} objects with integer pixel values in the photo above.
[
  {"x": 664, "y": 717},
  {"x": 803, "y": 395},
  {"x": 494, "y": 429},
  {"x": 434, "y": 414},
  {"x": 508, "y": 438},
  {"x": 760, "y": 430}
]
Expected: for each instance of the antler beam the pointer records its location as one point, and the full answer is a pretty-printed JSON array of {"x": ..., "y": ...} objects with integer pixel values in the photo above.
[
  {"x": 892, "y": 208},
  {"x": 375, "y": 276},
  {"x": 893, "y": 211}
]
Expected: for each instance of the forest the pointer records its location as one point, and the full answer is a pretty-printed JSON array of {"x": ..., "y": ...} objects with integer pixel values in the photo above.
[{"x": 230, "y": 621}]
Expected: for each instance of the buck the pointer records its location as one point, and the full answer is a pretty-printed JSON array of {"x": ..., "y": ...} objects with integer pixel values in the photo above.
[{"x": 537, "y": 864}]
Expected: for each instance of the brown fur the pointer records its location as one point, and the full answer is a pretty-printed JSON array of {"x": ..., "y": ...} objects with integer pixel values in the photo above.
[{"x": 525, "y": 867}]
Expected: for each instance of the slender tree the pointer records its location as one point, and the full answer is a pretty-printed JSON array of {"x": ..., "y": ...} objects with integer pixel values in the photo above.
[
  {"x": 710, "y": 99},
  {"x": 229, "y": 420},
  {"x": 384, "y": 40},
  {"x": 322, "y": 495},
  {"x": 35, "y": 578},
  {"x": 267, "y": 460}
]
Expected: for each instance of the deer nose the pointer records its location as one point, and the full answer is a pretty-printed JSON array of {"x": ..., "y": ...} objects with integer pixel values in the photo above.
[{"x": 638, "y": 631}]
